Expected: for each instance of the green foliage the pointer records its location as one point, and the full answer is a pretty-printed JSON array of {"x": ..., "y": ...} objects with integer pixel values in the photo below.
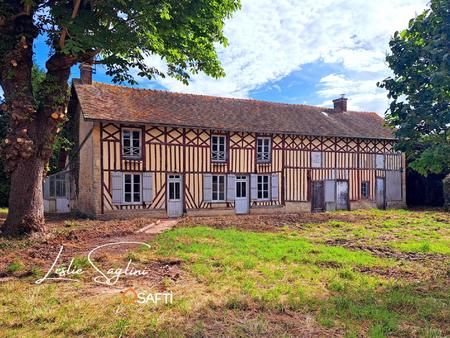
[
  {"x": 420, "y": 89},
  {"x": 446, "y": 186},
  {"x": 184, "y": 33}
]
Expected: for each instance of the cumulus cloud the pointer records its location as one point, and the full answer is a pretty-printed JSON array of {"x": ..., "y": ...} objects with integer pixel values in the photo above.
[
  {"x": 271, "y": 39},
  {"x": 363, "y": 94}
]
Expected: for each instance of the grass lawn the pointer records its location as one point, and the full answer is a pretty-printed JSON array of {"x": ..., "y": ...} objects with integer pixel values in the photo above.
[{"x": 361, "y": 273}]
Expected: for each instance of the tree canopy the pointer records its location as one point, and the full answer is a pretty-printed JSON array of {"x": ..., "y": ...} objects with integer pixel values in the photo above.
[
  {"x": 183, "y": 32},
  {"x": 420, "y": 89}
]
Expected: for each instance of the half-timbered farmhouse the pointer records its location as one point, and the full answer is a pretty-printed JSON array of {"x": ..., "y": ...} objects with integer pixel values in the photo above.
[{"x": 151, "y": 151}]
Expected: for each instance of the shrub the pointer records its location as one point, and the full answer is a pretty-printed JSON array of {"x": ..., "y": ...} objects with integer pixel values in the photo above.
[{"x": 446, "y": 186}]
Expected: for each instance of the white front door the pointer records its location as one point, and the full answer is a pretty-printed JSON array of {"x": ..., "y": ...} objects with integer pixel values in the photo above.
[
  {"x": 342, "y": 195},
  {"x": 241, "y": 204},
  {"x": 174, "y": 195}
]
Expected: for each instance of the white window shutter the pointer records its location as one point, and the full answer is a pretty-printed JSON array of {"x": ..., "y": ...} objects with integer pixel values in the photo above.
[
  {"x": 117, "y": 187},
  {"x": 379, "y": 161},
  {"x": 207, "y": 188},
  {"x": 231, "y": 188},
  {"x": 274, "y": 187},
  {"x": 254, "y": 187},
  {"x": 147, "y": 187}
]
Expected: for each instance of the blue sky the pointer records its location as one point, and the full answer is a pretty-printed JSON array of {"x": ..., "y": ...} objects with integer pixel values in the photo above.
[{"x": 299, "y": 51}]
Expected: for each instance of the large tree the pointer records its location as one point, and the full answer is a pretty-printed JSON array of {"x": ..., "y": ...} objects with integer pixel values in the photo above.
[
  {"x": 119, "y": 34},
  {"x": 420, "y": 89}
]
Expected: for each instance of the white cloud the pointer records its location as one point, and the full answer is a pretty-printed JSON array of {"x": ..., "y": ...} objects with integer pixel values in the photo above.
[
  {"x": 270, "y": 39},
  {"x": 363, "y": 94}
]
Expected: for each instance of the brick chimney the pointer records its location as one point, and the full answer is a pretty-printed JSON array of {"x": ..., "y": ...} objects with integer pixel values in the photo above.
[
  {"x": 340, "y": 104},
  {"x": 86, "y": 73}
]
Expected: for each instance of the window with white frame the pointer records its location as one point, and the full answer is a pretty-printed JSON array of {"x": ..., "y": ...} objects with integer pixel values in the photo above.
[
  {"x": 131, "y": 142},
  {"x": 57, "y": 184},
  {"x": 218, "y": 188},
  {"x": 132, "y": 188},
  {"x": 263, "y": 187},
  {"x": 263, "y": 149},
  {"x": 218, "y": 148}
]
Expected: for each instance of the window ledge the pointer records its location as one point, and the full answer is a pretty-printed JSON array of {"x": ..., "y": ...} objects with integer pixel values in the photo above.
[
  {"x": 129, "y": 203},
  {"x": 127, "y": 157},
  {"x": 277, "y": 206}
]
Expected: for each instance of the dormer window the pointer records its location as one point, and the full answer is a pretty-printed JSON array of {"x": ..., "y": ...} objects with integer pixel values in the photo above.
[
  {"x": 263, "y": 149},
  {"x": 218, "y": 148},
  {"x": 131, "y": 142}
]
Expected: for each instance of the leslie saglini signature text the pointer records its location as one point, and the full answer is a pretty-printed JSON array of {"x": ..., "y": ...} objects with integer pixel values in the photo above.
[{"x": 106, "y": 277}]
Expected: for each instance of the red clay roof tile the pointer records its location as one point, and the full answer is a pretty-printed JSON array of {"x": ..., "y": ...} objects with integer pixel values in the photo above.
[{"x": 106, "y": 102}]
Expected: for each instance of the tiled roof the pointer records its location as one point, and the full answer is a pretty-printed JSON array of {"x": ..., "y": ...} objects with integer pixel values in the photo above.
[{"x": 106, "y": 102}]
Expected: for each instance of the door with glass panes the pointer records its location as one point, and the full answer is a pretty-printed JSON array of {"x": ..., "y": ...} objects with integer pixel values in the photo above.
[
  {"x": 241, "y": 203},
  {"x": 174, "y": 195}
]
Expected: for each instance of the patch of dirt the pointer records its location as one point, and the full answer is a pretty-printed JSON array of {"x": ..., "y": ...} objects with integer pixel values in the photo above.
[
  {"x": 385, "y": 252},
  {"x": 388, "y": 272},
  {"x": 328, "y": 265},
  {"x": 420, "y": 266},
  {"x": 269, "y": 222},
  {"x": 78, "y": 238},
  {"x": 253, "y": 323}
]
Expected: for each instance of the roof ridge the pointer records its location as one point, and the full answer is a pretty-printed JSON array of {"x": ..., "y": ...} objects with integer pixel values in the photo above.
[{"x": 168, "y": 92}]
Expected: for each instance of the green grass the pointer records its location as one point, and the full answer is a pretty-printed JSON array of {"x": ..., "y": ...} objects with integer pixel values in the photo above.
[
  {"x": 245, "y": 283},
  {"x": 426, "y": 232},
  {"x": 14, "y": 267},
  {"x": 286, "y": 272}
]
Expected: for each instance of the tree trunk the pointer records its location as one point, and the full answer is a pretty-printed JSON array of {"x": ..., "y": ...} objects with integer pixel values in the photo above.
[
  {"x": 34, "y": 116},
  {"x": 26, "y": 207}
]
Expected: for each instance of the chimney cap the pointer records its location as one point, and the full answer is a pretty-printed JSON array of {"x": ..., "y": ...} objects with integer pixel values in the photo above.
[{"x": 341, "y": 98}]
